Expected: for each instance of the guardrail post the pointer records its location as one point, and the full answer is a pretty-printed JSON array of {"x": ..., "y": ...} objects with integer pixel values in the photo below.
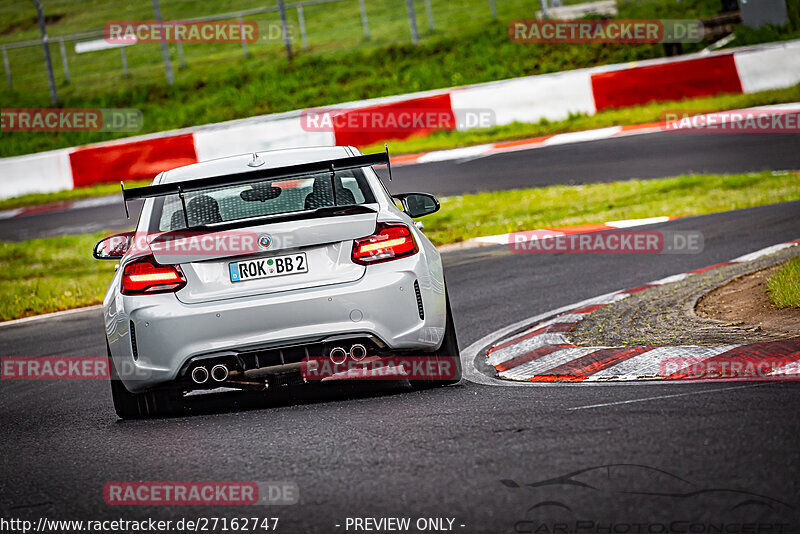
[
  {"x": 46, "y": 45},
  {"x": 124, "y": 57},
  {"x": 364, "y": 21},
  {"x": 545, "y": 14},
  {"x": 8, "y": 68},
  {"x": 64, "y": 59},
  {"x": 301, "y": 20},
  {"x": 287, "y": 41},
  {"x": 429, "y": 14},
  {"x": 181, "y": 59},
  {"x": 412, "y": 21},
  {"x": 164, "y": 48},
  {"x": 244, "y": 39}
]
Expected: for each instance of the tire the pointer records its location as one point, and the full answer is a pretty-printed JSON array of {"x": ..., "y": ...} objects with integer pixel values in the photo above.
[
  {"x": 152, "y": 403},
  {"x": 447, "y": 352}
]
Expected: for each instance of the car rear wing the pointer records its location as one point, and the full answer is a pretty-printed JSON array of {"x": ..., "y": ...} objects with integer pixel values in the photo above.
[{"x": 289, "y": 171}]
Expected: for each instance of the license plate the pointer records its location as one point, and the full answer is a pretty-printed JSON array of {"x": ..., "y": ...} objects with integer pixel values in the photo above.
[{"x": 268, "y": 267}]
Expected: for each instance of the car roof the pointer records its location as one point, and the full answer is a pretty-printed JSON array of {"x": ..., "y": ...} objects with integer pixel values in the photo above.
[{"x": 238, "y": 164}]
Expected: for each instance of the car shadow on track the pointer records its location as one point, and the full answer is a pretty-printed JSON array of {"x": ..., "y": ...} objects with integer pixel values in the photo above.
[{"x": 236, "y": 401}]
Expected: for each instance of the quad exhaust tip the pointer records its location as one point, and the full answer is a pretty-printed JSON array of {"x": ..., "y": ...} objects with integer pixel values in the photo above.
[
  {"x": 199, "y": 375},
  {"x": 358, "y": 352},
  {"x": 338, "y": 355},
  {"x": 219, "y": 373}
]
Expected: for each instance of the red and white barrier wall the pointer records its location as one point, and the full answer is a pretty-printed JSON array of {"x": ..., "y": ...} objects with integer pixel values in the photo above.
[{"x": 528, "y": 99}]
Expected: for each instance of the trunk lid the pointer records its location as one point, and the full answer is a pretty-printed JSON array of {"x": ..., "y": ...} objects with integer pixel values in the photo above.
[{"x": 325, "y": 242}]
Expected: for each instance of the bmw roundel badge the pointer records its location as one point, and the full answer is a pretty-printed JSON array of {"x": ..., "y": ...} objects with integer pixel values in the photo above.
[{"x": 264, "y": 241}]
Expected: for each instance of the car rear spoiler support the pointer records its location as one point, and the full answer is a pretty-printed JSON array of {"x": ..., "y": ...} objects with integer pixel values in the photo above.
[{"x": 289, "y": 171}]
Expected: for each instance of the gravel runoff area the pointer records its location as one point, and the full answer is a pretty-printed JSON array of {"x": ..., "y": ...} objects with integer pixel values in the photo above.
[{"x": 665, "y": 315}]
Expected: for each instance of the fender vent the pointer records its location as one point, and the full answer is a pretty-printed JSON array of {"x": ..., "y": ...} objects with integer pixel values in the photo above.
[
  {"x": 133, "y": 342},
  {"x": 419, "y": 300}
]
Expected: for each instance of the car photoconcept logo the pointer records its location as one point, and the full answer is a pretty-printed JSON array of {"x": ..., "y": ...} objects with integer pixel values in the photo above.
[{"x": 264, "y": 241}]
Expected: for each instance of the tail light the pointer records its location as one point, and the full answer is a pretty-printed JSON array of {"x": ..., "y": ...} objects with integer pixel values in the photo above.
[
  {"x": 144, "y": 277},
  {"x": 390, "y": 241}
]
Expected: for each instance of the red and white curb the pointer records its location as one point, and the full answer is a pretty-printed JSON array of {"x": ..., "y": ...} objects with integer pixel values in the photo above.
[
  {"x": 611, "y": 132},
  {"x": 537, "y": 349}
]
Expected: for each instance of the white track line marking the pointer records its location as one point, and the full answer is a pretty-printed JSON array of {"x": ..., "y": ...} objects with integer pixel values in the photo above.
[
  {"x": 630, "y": 223},
  {"x": 668, "y": 279},
  {"x": 580, "y": 137},
  {"x": 7, "y": 214},
  {"x": 763, "y": 252},
  {"x": 659, "y": 397},
  {"x": 454, "y": 153}
]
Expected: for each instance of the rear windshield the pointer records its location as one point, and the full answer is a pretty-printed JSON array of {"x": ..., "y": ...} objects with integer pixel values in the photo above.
[{"x": 258, "y": 199}]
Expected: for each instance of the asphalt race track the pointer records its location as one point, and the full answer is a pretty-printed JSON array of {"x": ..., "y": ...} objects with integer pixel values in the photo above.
[
  {"x": 639, "y": 156},
  {"x": 465, "y": 452}
]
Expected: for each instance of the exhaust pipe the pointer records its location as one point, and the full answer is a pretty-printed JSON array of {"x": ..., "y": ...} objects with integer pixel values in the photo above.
[
  {"x": 219, "y": 372},
  {"x": 338, "y": 355},
  {"x": 358, "y": 352},
  {"x": 199, "y": 375}
]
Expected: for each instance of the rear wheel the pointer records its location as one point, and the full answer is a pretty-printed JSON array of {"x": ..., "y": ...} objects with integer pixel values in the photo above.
[
  {"x": 447, "y": 355},
  {"x": 141, "y": 405}
]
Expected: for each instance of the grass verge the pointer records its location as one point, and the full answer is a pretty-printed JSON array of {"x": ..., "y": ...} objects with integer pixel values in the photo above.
[
  {"x": 51, "y": 274},
  {"x": 467, "y": 216},
  {"x": 57, "y": 273},
  {"x": 783, "y": 287}
]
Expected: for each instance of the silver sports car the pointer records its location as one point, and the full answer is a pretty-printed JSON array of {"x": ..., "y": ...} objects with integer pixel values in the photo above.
[{"x": 274, "y": 269}]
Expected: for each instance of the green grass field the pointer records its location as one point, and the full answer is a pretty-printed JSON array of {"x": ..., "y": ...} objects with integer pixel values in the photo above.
[
  {"x": 465, "y": 46},
  {"x": 51, "y": 274},
  {"x": 57, "y": 273},
  {"x": 783, "y": 287}
]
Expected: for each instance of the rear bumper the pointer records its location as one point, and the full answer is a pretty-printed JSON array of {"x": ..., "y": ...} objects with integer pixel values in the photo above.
[{"x": 168, "y": 333}]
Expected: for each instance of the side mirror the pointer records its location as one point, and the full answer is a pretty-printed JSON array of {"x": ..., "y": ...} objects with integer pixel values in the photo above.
[
  {"x": 113, "y": 247},
  {"x": 418, "y": 204}
]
